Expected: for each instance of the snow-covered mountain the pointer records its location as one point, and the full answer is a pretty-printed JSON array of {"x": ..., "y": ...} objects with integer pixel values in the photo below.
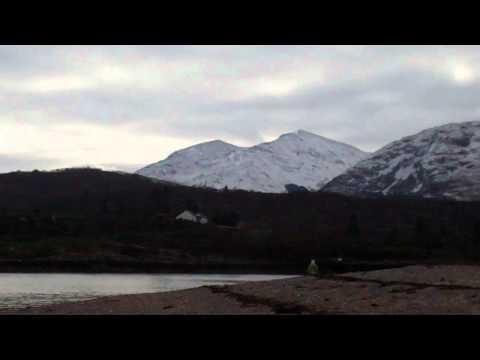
[
  {"x": 300, "y": 158},
  {"x": 441, "y": 162}
]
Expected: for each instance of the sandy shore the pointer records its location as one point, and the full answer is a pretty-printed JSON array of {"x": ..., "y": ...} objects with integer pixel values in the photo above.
[{"x": 408, "y": 290}]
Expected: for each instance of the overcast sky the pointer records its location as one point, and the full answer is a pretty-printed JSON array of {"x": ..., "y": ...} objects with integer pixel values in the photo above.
[{"x": 124, "y": 107}]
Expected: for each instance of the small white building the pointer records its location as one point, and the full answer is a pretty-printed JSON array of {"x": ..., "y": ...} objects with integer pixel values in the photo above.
[{"x": 190, "y": 216}]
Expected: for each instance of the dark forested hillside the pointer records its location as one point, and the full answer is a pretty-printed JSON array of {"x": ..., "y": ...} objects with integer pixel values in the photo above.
[{"x": 80, "y": 213}]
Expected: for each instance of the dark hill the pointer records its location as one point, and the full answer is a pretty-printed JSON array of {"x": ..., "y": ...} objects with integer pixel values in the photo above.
[{"x": 88, "y": 213}]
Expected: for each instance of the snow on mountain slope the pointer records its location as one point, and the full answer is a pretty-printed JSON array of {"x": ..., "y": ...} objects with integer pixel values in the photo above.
[
  {"x": 442, "y": 162},
  {"x": 300, "y": 158}
]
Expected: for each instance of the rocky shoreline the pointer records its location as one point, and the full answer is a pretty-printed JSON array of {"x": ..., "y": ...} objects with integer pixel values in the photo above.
[{"x": 419, "y": 289}]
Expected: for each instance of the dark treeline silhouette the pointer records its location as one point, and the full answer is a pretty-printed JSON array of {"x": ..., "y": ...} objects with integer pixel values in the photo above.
[{"x": 81, "y": 212}]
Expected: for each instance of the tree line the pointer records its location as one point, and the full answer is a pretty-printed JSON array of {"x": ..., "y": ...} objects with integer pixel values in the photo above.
[{"x": 90, "y": 210}]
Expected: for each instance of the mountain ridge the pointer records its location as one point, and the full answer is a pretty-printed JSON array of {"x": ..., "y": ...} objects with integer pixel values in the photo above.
[
  {"x": 301, "y": 157},
  {"x": 440, "y": 162}
]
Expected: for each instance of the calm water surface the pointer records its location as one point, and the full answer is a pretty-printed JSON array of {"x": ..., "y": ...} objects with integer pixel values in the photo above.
[{"x": 21, "y": 290}]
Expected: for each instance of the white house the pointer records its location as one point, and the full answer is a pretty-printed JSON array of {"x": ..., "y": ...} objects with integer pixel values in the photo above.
[{"x": 190, "y": 216}]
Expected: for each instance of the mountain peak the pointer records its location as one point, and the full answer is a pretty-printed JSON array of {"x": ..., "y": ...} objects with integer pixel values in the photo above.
[
  {"x": 299, "y": 134},
  {"x": 213, "y": 143},
  {"x": 299, "y": 158},
  {"x": 441, "y": 162},
  {"x": 216, "y": 142},
  {"x": 209, "y": 146},
  {"x": 302, "y": 132}
]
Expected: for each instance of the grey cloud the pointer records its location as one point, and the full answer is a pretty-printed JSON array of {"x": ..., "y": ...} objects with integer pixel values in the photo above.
[
  {"x": 370, "y": 113},
  {"x": 374, "y": 94},
  {"x": 20, "y": 62}
]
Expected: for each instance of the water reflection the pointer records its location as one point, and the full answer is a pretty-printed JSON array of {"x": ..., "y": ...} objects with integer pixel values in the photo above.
[{"x": 20, "y": 290}]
